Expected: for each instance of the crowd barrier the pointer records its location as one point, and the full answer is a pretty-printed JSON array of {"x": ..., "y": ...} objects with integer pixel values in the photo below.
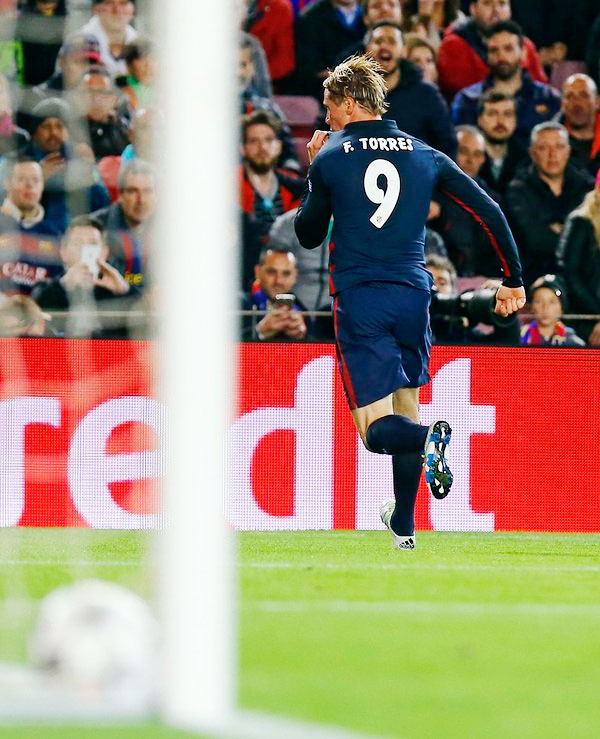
[{"x": 82, "y": 438}]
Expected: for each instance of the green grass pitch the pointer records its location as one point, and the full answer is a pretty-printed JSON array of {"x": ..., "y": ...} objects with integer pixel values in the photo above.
[{"x": 471, "y": 635}]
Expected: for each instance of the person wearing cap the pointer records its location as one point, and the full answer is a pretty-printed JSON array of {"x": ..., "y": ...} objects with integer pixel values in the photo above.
[
  {"x": 578, "y": 257},
  {"x": 73, "y": 185},
  {"x": 548, "y": 303},
  {"x": 111, "y": 26},
  {"x": 99, "y": 122},
  {"x": 75, "y": 56}
]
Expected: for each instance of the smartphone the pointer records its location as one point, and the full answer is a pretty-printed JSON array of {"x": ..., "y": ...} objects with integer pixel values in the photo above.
[
  {"x": 282, "y": 299},
  {"x": 90, "y": 254}
]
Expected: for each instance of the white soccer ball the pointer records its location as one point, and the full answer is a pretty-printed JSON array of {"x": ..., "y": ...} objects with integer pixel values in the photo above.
[{"x": 97, "y": 637}]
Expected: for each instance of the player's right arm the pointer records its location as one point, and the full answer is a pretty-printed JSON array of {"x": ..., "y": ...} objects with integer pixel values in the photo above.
[{"x": 313, "y": 216}]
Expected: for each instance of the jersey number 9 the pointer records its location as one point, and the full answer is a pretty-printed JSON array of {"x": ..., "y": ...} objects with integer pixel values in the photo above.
[{"x": 386, "y": 199}]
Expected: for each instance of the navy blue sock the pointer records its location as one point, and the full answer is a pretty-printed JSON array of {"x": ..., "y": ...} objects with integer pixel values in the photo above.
[
  {"x": 396, "y": 435},
  {"x": 406, "y": 474}
]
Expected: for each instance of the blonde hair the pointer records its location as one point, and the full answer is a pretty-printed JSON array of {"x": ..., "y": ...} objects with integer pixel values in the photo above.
[
  {"x": 590, "y": 209},
  {"x": 361, "y": 79}
]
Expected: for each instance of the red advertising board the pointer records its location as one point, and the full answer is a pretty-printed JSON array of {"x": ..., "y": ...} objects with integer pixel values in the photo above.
[{"x": 82, "y": 439}]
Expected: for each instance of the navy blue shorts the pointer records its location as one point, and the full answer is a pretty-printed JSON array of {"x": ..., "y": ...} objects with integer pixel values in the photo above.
[{"x": 383, "y": 339}]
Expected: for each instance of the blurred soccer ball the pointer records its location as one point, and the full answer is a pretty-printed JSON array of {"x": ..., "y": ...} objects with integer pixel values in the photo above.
[{"x": 97, "y": 637}]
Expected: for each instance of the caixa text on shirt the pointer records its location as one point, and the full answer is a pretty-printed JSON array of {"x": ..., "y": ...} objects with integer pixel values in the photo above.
[
  {"x": 22, "y": 273},
  {"x": 381, "y": 143}
]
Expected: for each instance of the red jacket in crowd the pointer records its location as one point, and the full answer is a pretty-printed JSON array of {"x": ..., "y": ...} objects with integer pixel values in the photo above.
[
  {"x": 272, "y": 22},
  {"x": 461, "y": 60}
]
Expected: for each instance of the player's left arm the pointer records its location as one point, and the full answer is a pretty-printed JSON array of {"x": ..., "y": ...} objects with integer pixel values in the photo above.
[
  {"x": 466, "y": 193},
  {"x": 313, "y": 216}
]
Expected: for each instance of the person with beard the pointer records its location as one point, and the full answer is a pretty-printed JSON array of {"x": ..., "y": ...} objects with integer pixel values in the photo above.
[
  {"x": 536, "y": 101},
  {"x": 265, "y": 191},
  {"x": 541, "y": 197},
  {"x": 73, "y": 185},
  {"x": 579, "y": 115},
  {"x": 497, "y": 120},
  {"x": 416, "y": 106},
  {"x": 463, "y": 55}
]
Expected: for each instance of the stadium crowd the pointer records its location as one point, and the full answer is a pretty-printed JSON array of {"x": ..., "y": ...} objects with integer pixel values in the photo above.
[{"x": 507, "y": 90}]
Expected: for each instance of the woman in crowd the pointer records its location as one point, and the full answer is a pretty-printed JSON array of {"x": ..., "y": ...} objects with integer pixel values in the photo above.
[
  {"x": 579, "y": 258},
  {"x": 421, "y": 52}
]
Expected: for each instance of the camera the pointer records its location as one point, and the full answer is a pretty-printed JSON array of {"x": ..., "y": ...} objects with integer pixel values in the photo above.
[{"x": 454, "y": 317}]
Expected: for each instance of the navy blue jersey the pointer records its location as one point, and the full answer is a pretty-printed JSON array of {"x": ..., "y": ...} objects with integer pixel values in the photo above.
[{"x": 377, "y": 182}]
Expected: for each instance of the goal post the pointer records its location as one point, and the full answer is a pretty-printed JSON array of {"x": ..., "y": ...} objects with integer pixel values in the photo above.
[{"x": 195, "y": 247}]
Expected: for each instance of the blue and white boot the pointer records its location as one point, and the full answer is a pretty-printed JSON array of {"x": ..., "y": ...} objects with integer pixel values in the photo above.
[
  {"x": 437, "y": 472},
  {"x": 400, "y": 542}
]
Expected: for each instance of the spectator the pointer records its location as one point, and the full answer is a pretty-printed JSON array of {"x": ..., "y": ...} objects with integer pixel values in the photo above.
[
  {"x": 251, "y": 101},
  {"x": 40, "y": 29},
  {"x": 29, "y": 252},
  {"x": 100, "y": 125},
  {"x": 579, "y": 115},
  {"x": 111, "y": 26},
  {"x": 323, "y": 30},
  {"x": 443, "y": 273},
  {"x": 423, "y": 55},
  {"x": 497, "y": 120},
  {"x": 467, "y": 244},
  {"x": 430, "y": 18},
  {"x": 74, "y": 59},
  {"x": 276, "y": 273},
  {"x": 415, "y": 105},
  {"x": 579, "y": 260},
  {"x": 374, "y": 11},
  {"x": 541, "y": 197},
  {"x": 12, "y": 137},
  {"x": 72, "y": 182},
  {"x": 261, "y": 82},
  {"x": 265, "y": 192},
  {"x": 127, "y": 223},
  {"x": 312, "y": 281},
  {"x": 548, "y": 303},
  {"x": 272, "y": 23},
  {"x": 86, "y": 281},
  {"x": 536, "y": 101},
  {"x": 21, "y": 316},
  {"x": 463, "y": 54},
  {"x": 139, "y": 88}
]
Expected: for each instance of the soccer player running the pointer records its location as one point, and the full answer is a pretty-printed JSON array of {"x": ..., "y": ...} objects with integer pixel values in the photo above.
[{"x": 377, "y": 182}]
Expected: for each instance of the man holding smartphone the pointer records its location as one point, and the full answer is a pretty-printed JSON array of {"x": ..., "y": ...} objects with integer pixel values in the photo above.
[
  {"x": 87, "y": 281},
  {"x": 272, "y": 291}
]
